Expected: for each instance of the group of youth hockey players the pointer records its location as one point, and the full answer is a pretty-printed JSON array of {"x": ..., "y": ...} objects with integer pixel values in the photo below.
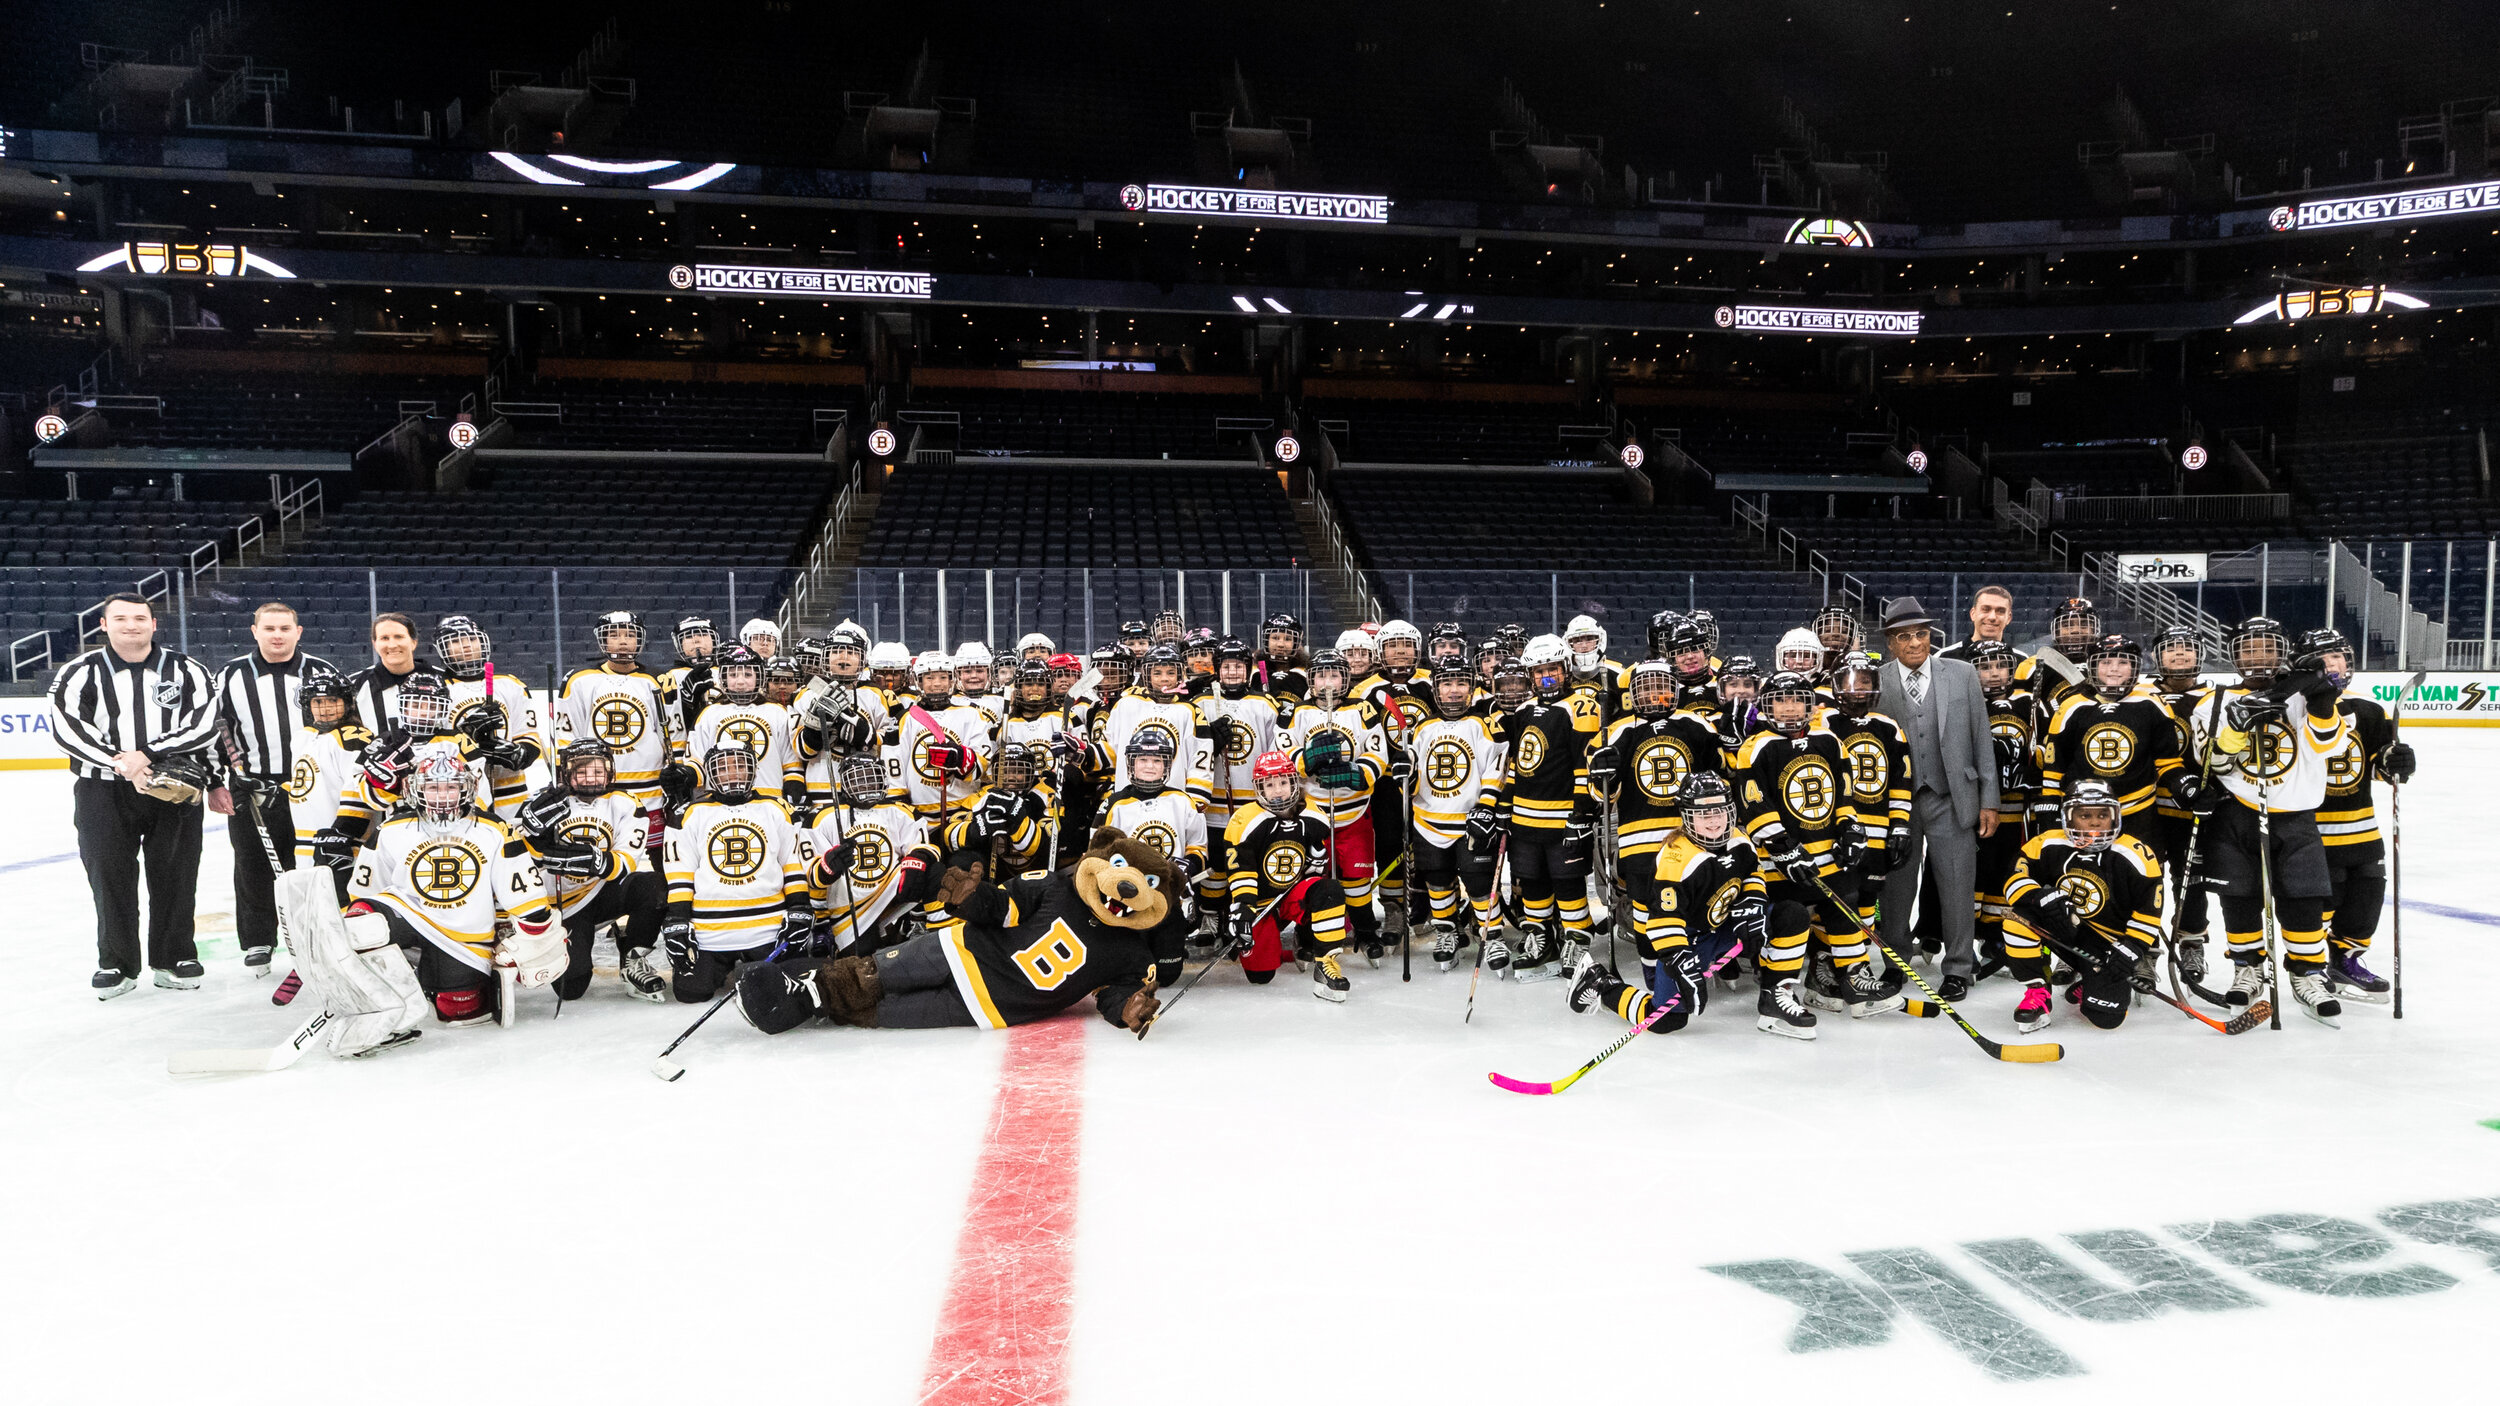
[{"x": 768, "y": 810}]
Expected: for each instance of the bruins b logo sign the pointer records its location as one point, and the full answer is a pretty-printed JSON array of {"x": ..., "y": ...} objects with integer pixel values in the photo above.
[
  {"x": 618, "y": 721},
  {"x": 444, "y": 872},
  {"x": 735, "y": 850}
]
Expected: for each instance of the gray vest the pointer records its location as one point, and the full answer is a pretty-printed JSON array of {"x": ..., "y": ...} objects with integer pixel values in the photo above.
[{"x": 1926, "y": 751}]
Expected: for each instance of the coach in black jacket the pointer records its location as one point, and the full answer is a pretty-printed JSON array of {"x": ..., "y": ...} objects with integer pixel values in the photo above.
[{"x": 122, "y": 713}]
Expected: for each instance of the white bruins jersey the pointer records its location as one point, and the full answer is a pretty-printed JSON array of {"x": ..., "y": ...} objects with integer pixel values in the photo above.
[
  {"x": 879, "y": 835},
  {"x": 739, "y": 866},
  {"x": 327, "y": 768},
  {"x": 1178, "y": 720},
  {"x": 1456, "y": 759},
  {"x": 2291, "y": 753},
  {"x": 614, "y": 825},
  {"x": 624, "y": 711},
  {"x": 1253, "y": 715},
  {"x": 1367, "y": 752},
  {"x": 907, "y": 760},
  {"x": 761, "y": 728},
  {"x": 450, "y": 881},
  {"x": 1038, "y": 731},
  {"x": 1167, "y": 821},
  {"x": 520, "y": 724}
]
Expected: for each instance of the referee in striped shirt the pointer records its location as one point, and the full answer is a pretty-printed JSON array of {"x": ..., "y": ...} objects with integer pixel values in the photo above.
[
  {"x": 260, "y": 711},
  {"x": 119, "y": 712}
]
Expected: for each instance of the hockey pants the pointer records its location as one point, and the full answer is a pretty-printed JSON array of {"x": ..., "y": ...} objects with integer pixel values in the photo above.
[
  {"x": 1444, "y": 871},
  {"x": 702, "y": 978},
  {"x": 640, "y": 899},
  {"x": 1550, "y": 886},
  {"x": 2360, "y": 876},
  {"x": 1313, "y": 909}
]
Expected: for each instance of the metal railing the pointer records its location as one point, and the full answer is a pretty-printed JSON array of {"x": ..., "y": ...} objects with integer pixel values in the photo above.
[
  {"x": 799, "y": 606},
  {"x": 303, "y": 507},
  {"x": 1341, "y": 558},
  {"x": 22, "y": 657},
  {"x": 2172, "y": 507}
]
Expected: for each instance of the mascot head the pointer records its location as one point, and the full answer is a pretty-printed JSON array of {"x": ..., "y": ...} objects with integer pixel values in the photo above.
[{"x": 1127, "y": 884}]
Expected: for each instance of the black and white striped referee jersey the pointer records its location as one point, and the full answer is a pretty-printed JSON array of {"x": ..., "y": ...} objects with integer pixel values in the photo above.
[
  {"x": 164, "y": 705},
  {"x": 261, "y": 706}
]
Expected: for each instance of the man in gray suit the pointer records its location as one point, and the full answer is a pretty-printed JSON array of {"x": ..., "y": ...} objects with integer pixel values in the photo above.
[{"x": 1953, "y": 765}]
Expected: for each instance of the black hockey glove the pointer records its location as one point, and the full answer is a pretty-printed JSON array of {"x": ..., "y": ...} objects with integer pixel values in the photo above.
[
  {"x": 1896, "y": 846},
  {"x": 677, "y": 939},
  {"x": 1686, "y": 964},
  {"x": 1749, "y": 918},
  {"x": 1401, "y": 764},
  {"x": 570, "y": 858},
  {"x": 1798, "y": 865},
  {"x": 2320, "y": 692},
  {"x": 2044, "y": 817},
  {"x": 388, "y": 758},
  {"x": 830, "y": 865},
  {"x": 1604, "y": 767},
  {"x": 544, "y": 811},
  {"x": 677, "y": 784},
  {"x": 798, "y": 933},
  {"x": 2395, "y": 762},
  {"x": 2049, "y": 910},
  {"x": 998, "y": 815},
  {"x": 2195, "y": 794},
  {"x": 1072, "y": 747},
  {"x": 484, "y": 724},
  {"x": 1578, "y": 834},
  {"x": 2246, "y": 712},
  {"x": 793, "y": 791},
  {"x": 1849, "y": 845},
  {"x": 920, "y": 876},
  {"x": 1483, "y": 829},
  {"x": 1239, "y": 926},
  {"x": 1222, "y": 732},
  {"x": 334, "y": 849}
]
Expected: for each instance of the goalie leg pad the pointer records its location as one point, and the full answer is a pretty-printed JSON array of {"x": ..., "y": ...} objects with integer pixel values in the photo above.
[{"x": 353, "y": 966}]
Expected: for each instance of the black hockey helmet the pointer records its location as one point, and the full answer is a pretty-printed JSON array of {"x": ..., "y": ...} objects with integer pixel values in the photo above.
[
  {"x": 2119, "y": 647},
  {"x": 1838, "y": 629},
  {"x": 1160, "y": 657},
  {"x": 2173, "y": 637},
  {"x": 584, "y": 752},
  {"x": 1447, "y": 647},
  {"x": 2091, "y": 816},
  {"x": 1706, "y": 795},
  {"x": 809, "y": 655},
  {"x": 690, "y": 629},
  {"x": 1689, "y": 638},
  {"x": 1019, "y": 766},
  {"x": 1709, "y": 624},
  {"x": 1117, "y": 668},
  {"x": 1167, "y": 627},
  {"x": 1199, "y": 649},
  {"x": 327, "y": 683},
  {"x": 1150, "y": 742},
  {"x": 463, "y": 646},
  {"x": 1511, "y": 683},
  {"x": 1994, "y": 660},
  {"x": 1514, "y": 638},
  {"x": 781, "y": 672},
  {"x": 1784, "y": 685},
  {"x": 2318, "y": 648},
  {"x": 860, "y": 777},
  {"x": 729, "y": 770},
  {"x": 1856, "y": 679},
  {"x": 1134, "y": 637},
  {"x": 1032, "y": 685},
  {"x": 1453, "y": 693},
  {"x": 739, "y": 672},
  {"x": 2074, "y": 625},
  {"x": 604, "y": 632},
  {"x": 1745, "y": 676},
  {"x": 1329, "y": 661},
  {"x": 1650, "y": 689},
  {"x": 2259, "y": 650},
  {"x": 1662, "y": 631},
  {"x": 424, "y": 703},
  {"x": 1281, "y": 623}
]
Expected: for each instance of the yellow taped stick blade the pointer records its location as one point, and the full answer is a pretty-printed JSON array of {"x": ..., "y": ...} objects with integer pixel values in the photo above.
[{"x": 2032, "y": 1054}]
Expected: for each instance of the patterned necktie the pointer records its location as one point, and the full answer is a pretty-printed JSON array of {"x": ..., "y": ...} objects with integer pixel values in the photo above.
[{"x": 1918, "y": 688}]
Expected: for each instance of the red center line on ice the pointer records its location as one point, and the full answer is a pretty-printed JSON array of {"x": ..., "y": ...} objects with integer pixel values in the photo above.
[{"x": 1003, "y": 1335}]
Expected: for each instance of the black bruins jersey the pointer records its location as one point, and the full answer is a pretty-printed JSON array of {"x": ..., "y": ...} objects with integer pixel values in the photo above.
[
  {"x": 1033, "y": 948},
  {"x": 2132, "y": 744},
  {"x": 2009, "y": 726},
  {"x": 1653, "y": 758},
  {"x": 1267, "y": 854},
  {"x": 2115, "y": 894},
  {"x": 1698, "y": 889},
  {"x": 1875, "y": 767},
  {"x": 2348, "y": 817},
  {"x": 1789, "y": 791},
  {"x": 1549, "y": 760},
  {"x": 2181, "y": 705}
]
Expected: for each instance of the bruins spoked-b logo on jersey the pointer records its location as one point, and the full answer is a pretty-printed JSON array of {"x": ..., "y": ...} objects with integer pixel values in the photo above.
[
  {"x": 1237, "y": 751},
  {"x": 445, "y": 872},
  {"x": 301, "y": 779},
  {"x": 618, "y": 720},
  {"x": 1158, "y": 836},
  {"x": 2344, "y": 770},
  {"x": 1660, "y": 767},
  {"x": 1723, "y": 901},
  {"x": 754, "y": 734},
  {"x": 2085, "y": 892},
  {"x": 1531, "y": 755},
  {"x": 2108, "y": 747},
  {"x": 1447, "y": 766},
  {"x": 872, "y": 856},
  {"x": 587, "y": 830},
  {"x": 1870, "y": 771},
  {"x": 1809, "y": 792},
  {"x": 2272, "y": 751},
  {"x": 1283, "y": 864},
  {"x": 736, "y": 850}
]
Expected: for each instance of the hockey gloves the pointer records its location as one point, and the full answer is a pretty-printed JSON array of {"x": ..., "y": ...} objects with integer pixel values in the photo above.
[
  {"x": 1749, "y": 918},
  {"x": 1327, "y": 760},
  {"x": 1849, "y": 845},
  {"x": 831, "y": 864},
  {"x": 2395, "y": 762},
  {"x": 677, "y": 784},
  {"x": 1896, "y": 846},
  {"x": 570, "y": 858},
  {"x": 677, "y": 939},
  {"x": 998, "y": 815},
  {"x": 1684, "y": 964},
  {"x": 920, "y": 876},
  {"x": 1798, "y": 865},
  {"x": 1604, "y": 767},
  {"x": 798, "y": 933},
  {"x": 1578, "y": 834},
  {"x": 334, "y": 849},
  {"x": 2197, "y": 795},
  {"x": 544, "y": 811},
  {"x": 1401, "y": 764},
  {"x": 389, "y": 758},
  {"x": 1223, "y": 732},
  {"x": 952, "y": 759},
  {"x": 1483, "y": 829}
]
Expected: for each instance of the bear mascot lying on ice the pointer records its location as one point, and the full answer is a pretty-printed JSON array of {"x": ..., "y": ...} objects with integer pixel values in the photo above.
[{"x": 1007, "y": 954}]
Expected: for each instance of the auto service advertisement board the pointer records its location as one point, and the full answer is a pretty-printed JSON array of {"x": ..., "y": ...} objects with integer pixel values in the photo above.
[{"x": 2469, "y": 699}]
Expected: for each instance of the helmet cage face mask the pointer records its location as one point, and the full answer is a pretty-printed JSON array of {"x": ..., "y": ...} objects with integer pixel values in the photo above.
[
  {"x": 862, "y": 779},
  {"x": 1711, "y": 823},
  {"x": 1651, "y": 692},
  {"x": 2091, "y": 822},
  {"x": 730, "y": 771}
]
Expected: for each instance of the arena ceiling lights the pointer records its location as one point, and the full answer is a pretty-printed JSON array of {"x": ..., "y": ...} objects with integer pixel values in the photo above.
[
  {"x": 776, "y": 282},
  {"x": 2293, "y": 304},
  {"x": 1813, "y": 321},
  {"x": 625, "y": 175},
  {"x": 154, "y": 256},
  {"x": 1234, "y": 202}
]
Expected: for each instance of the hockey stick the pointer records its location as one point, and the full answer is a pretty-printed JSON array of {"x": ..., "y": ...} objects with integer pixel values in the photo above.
[
  {"x": 2265, "y": 895},
  {"x": 670, "y": 1071},
  {"x": 2046, "y": 1053},
  {"x": 266, "y": 1061},
  {"x": 1222, "y": 954},
  {"x": 1406, "y": 875},
  {"x": 1522, "y": 1086},
  {"x": 2396, "y": 850},
  {"x": 1501, "y": 856},
  {"x": 2238, "y": 1024},
  {"x": 2187, "y": 874}
]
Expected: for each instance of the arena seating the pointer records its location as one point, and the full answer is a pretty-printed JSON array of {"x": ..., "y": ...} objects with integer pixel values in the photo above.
[
  {"x": 1786, "y": 443},
  {"x": 223, "y": 411},
  {"x": 2392, "y": 484},
  {"x": 1106, "y": 426},
  {"x": 1451, "y": 432},
  {"x": 971, "y": 514},
  {"x": 661, "y": 415}
]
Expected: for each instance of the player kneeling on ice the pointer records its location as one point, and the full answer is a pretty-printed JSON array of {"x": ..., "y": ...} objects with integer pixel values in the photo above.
[
  {"x": 737, "y": 879},
  {"x": 1277, "y": 854},
  {"x": 592, "y": 841},
  {"x": 2091, "y": 895},
  {"x": 1710, "y": 904},
  {"x": 435, "y": 880},
  {"x": 1011, "y": 954}
]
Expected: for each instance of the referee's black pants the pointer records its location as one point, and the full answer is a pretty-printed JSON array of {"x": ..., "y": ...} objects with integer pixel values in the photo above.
[
  {"x": 255, "y": 890},
  {"x": 120, "y": 833}
]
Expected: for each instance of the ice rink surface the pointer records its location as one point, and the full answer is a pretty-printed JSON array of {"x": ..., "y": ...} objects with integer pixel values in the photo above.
[{"x": 1272, "y": 1199}]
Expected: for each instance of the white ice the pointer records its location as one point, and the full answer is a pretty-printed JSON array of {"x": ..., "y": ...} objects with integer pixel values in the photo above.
[{"x": 1281, "y": 1200}]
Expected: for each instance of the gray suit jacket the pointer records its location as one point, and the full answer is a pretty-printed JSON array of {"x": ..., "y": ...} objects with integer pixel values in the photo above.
[{"x": 1970, "y": 754}]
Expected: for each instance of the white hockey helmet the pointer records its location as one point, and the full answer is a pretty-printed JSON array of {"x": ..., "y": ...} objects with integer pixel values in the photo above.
[
  {"x": 1355, "y": 639},
  {"x": 1800, "y": 650},
  {"x": 931, "y": 661},
  {"x": 1400, "y": 630},
  {"x": 1036, "y": 640},
  {"x": 889, "y": 654},
  {"x": 1585, "y": 627},
  {"x": 759, "y": 627},
  {"x": 974, "y": 653},
  {"x": 1543, "y": 650}
]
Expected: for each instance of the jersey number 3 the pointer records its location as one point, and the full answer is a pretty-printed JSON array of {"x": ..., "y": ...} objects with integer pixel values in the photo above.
[{"x": 1052, "y": 956}]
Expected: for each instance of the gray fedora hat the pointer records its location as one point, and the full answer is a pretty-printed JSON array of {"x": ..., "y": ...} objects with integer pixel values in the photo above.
[{"x": 1905, "y": 613}]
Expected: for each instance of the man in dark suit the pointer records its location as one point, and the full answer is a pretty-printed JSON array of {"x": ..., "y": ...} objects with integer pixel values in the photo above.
[{"x": 1953, "y": 768}]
